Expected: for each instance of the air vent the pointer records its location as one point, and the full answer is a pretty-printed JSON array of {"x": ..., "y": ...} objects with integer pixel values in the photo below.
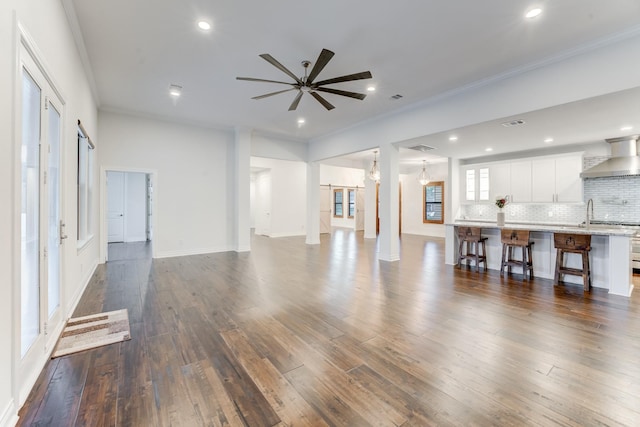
[
  {"x": 396, "y": 96},
  {"x": 513, "y": 123},
  {"x": 422, "y": 147}
]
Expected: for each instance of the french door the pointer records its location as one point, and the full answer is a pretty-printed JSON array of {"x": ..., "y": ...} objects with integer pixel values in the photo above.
[{"x": 40, "y": 216}]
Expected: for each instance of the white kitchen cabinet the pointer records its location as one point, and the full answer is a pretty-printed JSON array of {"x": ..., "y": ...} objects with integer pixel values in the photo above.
[
  {"x": 556, "y": 179},
  {"x": 511, "y": 179},
  {"x": 520, "y": 180},
  {"x": 568, "y": 182},
  {"x": 499, "y": 180}
]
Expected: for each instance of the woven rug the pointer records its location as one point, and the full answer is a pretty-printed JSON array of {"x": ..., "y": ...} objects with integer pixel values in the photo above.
[{"x": 96, "y": 330}]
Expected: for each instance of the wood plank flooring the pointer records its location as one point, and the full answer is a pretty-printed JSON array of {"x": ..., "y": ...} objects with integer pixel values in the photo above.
[{"x": 298, "y": 335}]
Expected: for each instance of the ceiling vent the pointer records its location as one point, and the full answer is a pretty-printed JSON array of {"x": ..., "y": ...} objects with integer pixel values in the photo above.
[
  {"x": 513, "y": 123},
  {"x": 421, "y": 147},
  {"x": 396, "y": 96}
]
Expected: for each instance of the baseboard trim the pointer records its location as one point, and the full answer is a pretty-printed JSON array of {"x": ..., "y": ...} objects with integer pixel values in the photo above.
[
  {"x": 9, "y": 417},
  {"x": 173, "y": 254}
]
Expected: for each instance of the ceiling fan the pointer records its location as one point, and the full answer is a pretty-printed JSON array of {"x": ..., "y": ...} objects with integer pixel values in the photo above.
[{"x": 307, "y": 83}]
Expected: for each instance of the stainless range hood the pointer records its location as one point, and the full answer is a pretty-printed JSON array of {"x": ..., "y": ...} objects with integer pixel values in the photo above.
[{"x": 624, "y": 159}]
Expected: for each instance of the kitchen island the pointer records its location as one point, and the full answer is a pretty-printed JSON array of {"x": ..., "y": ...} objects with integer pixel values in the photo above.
[{"x": 610, "y": 254}]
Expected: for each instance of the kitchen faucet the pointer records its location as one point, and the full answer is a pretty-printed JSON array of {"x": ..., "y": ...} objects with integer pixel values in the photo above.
[{"x": 588, "y": 220}]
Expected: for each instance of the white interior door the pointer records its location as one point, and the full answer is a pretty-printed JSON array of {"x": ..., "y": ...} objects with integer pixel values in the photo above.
[
  {"x": 359, "y": 209},
  {"x": 325, "y": 209},
  {"x": 115, "y": 206}
]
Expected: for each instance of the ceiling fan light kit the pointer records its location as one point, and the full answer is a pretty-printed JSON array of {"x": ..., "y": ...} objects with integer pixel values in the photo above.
[{"x": 307, "y": 83}]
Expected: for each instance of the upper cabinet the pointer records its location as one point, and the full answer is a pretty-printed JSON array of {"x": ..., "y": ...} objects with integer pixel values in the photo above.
[
  {"x": 535, "y": 180},
  {"x": 475, "y": 184},
  {"x": 557, "y": 179},
  {"x": 520, "y": 179}
]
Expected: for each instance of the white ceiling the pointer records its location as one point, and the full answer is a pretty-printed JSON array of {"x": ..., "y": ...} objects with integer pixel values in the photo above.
[{"x": 416, "y": 48}]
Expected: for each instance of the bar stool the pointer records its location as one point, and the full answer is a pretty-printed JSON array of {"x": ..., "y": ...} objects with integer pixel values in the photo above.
[
  {"x": 471, "y": 238},
  {"x": 516, "y": 239},
  {"x": 566, "y": 243}
]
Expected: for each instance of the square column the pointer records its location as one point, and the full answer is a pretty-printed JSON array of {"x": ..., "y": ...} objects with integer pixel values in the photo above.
[
  {"x": 313, "y": 203},
  {"x": 389, "y": 204},
  {"x": 242, "y": 187}
]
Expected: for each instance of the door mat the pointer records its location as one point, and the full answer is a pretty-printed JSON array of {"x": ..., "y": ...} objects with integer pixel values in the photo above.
[{"x": 96, "y": 330}]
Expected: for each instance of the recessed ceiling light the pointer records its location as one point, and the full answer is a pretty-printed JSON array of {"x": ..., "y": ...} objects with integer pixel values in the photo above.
[
  {"x": 532, "y": 13},
  {"x": 301, "y": 121},
  {"x": 175, "y": 90},
  {"x": 453, "y": 138},
  {"x": 626, "y": 128},
  {"x": 204, "y": 25},
  {"x": 371, "y": 88},
  {"x": 548, "y": 140},
  {"x": 488, "y": 149}
]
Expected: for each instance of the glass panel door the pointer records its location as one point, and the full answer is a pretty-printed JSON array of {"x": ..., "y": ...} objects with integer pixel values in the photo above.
[
  {"x": 53, "y": 182},
  {"x": 30, "y": 212}
]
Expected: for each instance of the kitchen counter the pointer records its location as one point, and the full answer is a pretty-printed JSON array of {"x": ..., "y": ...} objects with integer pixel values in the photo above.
[
  {"x": 594, "y": 229},
  {"x": 611, "y": 266}
]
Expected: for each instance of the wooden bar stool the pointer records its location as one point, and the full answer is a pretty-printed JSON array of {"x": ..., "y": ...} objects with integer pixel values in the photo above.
[
  {"x": 471, "y": 238},
  {"x": 566, "y": 243},
  {"x": 516, "y": 239}
]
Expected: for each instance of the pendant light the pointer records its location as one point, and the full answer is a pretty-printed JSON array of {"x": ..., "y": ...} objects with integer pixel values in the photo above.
[
  {"x": 374, "y": 173},
  {"x": 423, "y": 176}
]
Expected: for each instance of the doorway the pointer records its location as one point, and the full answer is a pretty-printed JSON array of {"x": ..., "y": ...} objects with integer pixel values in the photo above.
[
  {"x": 128, "y": 207},
  {"x": 325, "y": 209}
]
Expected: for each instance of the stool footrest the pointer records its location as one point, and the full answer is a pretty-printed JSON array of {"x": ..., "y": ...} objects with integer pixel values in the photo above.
[{"x": 571, "y": 271}]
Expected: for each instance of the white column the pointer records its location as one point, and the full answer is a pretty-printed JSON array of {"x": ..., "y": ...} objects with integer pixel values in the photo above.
[
  {"x": 620, "y": 267},
  {"x": 313, "y": 203},
  {"x": 389, "y": 204},
  {"x": 369, "y": 205},
  {"x": 242, "y": 187}
]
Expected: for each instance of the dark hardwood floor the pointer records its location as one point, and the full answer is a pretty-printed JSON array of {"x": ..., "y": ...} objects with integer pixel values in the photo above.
[{"x": 294, "y": 335}]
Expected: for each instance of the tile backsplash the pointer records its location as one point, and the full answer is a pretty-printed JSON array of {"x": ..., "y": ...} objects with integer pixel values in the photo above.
[{"x": 614, "y": 199}]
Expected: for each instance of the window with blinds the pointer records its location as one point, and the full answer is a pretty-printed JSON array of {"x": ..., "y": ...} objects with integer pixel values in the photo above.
[{"x": 433, "y": 206}]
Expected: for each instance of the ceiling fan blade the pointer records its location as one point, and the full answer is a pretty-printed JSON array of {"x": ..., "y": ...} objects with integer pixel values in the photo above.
[
  {"x": 355, "y": 95},
  {"x": 357, "y": 76},
  {"x": 271, "y": 60},
  {"x": 296, "y": 101},
  {"x": 324, "y": 57},
  {"x": 273, "y": 93},
  {"x": 322, "y": 101},
  {"x": 251, "y": 79}
]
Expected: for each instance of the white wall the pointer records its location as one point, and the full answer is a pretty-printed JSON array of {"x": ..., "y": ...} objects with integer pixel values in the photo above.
[
  {"x": 277, "y": 148},
  {"x": 262, "y": 203},
  {"x": 192, "y": 188},
  {"x": 46, "y": 25},
  {"x": 412, "y": 199},
  {"x": 286, "y": 190},
  {"x": 252, "y": 202}
]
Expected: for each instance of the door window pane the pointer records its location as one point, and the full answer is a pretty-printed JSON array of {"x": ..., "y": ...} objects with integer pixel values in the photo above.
[
  {"x": 337, "y": 203},
  {"x": 352, "y": 203},
  {"x": 29, "y": 213},
  {"x": 53, "y": 182}
]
